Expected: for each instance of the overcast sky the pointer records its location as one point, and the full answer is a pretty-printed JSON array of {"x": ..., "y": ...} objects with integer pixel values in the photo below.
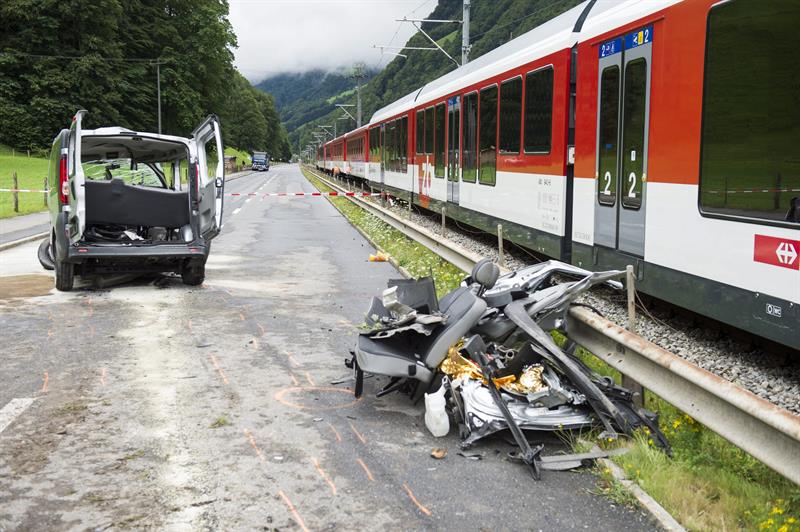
[{"x": 300, "y": 35}]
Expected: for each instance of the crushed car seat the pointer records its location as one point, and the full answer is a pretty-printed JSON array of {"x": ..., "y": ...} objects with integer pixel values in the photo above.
[{"x": 415, "y": 356}]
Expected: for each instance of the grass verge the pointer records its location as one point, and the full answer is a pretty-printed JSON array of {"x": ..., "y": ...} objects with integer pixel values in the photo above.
[
  {"x": 31, "y": 172},
  {"x": 709, "y": 484}
]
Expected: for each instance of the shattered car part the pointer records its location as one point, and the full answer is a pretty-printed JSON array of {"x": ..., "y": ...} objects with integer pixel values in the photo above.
[
  {"x": 483, "y": 417},
  {"x": 475, "y": 348},
  {"x": 529, "y": 381}
]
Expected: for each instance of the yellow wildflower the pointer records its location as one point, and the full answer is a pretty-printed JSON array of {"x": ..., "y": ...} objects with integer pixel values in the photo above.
[
  {"x": 784, "y": 528},
  {"x": 791, "y": 520},
  {"x": 776, "y": 511},
  {"x": 676, "y": 423}
]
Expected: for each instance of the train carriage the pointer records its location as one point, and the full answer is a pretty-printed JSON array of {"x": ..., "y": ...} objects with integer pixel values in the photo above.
[{"x": 658, "y": 133}]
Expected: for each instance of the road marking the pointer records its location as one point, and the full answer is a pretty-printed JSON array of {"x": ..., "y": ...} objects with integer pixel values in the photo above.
[
  {"x": 253, "y": 444},
  {"x": 13, "y": 409},
  {"x": 324, "y": 475},
  {"x": 335, "y": 433},
  {"x": 415, "y": 501},
  {"x": 310, "y": 380},
  {"x": 45, "y": 381},
  {"x": 293, "y": 510},
  {"x": 219, "y": 369},
  {"x": 236, "y": 211},
  {"x": 294, "y": 379},
  {"x": 358, "y": 434},
  {"x": 366, "y": 469}
]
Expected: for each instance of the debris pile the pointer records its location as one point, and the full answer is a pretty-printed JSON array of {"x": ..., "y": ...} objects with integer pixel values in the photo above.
[{"x": 489, "y": 346}]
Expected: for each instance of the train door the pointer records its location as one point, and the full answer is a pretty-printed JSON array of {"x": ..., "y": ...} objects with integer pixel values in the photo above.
[
  {"x": 383, "y": 153},
  {"x": 622, "y": 131},
  {"x": 453, "y": 137}
]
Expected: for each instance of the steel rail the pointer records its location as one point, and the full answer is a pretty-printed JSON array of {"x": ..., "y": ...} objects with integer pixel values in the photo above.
[{"x": 769, "y": 433}]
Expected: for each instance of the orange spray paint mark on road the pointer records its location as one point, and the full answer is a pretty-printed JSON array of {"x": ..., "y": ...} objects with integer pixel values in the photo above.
[
  {"x": 358, "y": 434},
  {"x": 189, "y": 325},
  {"x": 415, "y": 501},
  {"x": 292, "y": 361},
  {"x": 49, "y": 333},
  {"x": 45, "y": 382},
  {"x": 255, "y": 342},
  {"x": 324, "y": 475},
  {"x": 365, "y": 468},
  {"x": 292, "y": 509},
  {"x": 294, "y": 379},
  {"x": 91, "y": 308},
  {"x": 260, "y": 328},
  {"x": 309, "y": 379},
  {"x": 335, "y": 433},
  {"x": 241, "y": 316},
  {"x": 219, "y": 369},
  {"x": 255, "y": 447},
  {"x": 103, "y": 376}
]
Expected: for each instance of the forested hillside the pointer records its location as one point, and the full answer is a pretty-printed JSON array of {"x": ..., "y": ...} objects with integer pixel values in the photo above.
[
  {"x": 57, "y": 57},
  {"x": 494, "y": 22},
  {"x": 304, "y": 97}
]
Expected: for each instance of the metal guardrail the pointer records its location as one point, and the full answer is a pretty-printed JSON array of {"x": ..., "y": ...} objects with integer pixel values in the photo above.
[{"x": 760, "y": 428}]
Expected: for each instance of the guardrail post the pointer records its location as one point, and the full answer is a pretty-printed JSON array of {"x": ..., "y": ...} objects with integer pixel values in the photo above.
[
  {"x": 444, "y": 218},
  {"x": 630, "y": 287},
  {"x": 501, "y": 256},
  {"x": 15, "y": 194}
]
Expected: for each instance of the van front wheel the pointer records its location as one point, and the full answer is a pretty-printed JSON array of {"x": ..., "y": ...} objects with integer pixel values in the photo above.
[
  {"x": 194, "y": 274},
  {"x": 65, "y": 275}
]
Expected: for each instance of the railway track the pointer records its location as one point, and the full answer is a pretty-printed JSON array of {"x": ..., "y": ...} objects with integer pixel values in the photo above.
[{"x": 765, "y": 430}]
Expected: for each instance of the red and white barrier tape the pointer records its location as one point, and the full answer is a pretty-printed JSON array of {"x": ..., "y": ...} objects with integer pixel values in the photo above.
[
  {"x": 266, "y": 194},
  {"x": 300, "y": 194}
]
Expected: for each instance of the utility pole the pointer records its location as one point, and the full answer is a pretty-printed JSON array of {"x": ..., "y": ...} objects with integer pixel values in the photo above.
[
  {"x": 465, "y": 34},
  {"x": 158, "y": 64},
  {"x": 358, "y": 74}
]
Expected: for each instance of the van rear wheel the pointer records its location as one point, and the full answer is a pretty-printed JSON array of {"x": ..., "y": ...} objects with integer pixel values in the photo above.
[
  {"x": 65, "y": 275},
  {"x": 194, "y": 274}
]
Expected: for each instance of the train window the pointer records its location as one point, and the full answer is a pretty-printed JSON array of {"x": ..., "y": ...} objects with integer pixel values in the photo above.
[
  {"x": 749, "y": 163},
  {"x": 488, "y": 136},
  {"x": 429, "y": 122},
  {"x": 538, "y": 110},
  {"x": 607, "y": 159},
  {"x": 633, "y": 113},
  {"x": 510, "y": 115},
  {"x": 439, "y": 168},
  {"x": 420, "y": 131},
  {"x": 469, "y": 155},
  {"x": 374, "y": 144}
]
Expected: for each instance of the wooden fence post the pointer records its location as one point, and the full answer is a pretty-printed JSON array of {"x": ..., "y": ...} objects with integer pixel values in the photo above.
[{"x": 15, "y": 186}]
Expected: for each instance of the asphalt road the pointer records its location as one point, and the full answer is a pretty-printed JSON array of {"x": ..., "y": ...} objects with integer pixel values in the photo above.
[{"x": 220, "y": 407}]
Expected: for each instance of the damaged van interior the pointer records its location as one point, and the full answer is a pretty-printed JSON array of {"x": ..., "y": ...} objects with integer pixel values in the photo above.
[{"x": 136, "y": 191}]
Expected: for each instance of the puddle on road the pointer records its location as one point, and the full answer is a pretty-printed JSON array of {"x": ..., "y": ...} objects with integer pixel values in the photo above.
[{"x": 25, "y": 286}]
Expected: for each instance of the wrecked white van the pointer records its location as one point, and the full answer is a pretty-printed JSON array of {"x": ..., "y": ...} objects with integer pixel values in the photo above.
[{"x": 123, "y": 201}]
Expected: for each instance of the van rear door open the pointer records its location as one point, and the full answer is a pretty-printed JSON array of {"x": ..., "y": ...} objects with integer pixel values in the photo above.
[
  {"x": 211, "y": 184},
  {"x": 77, "y": 193}
]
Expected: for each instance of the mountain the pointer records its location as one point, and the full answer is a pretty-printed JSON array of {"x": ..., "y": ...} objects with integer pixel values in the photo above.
[
  {"x": 304, "y": 97},
  {"x": 492, "y": 23}
]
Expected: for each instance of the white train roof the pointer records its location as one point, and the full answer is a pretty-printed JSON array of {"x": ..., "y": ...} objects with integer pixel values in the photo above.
[{"x": 555, "y": 34}]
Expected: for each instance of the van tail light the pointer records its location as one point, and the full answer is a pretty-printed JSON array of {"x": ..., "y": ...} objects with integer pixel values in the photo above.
[
  {"x": 63, "y": 181},
  {"x": 197, "y": 182}
]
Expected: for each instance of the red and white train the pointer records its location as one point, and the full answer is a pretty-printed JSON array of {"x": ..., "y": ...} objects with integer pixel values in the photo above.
[{"x": 659, "y": 133}]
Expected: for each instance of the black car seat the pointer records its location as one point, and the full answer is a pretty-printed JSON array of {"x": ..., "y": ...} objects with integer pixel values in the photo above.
[{"x": 418, "y": 356}]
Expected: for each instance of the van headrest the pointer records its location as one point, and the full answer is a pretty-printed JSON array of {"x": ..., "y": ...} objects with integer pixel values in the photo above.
[{"x": 485, "y": 273}]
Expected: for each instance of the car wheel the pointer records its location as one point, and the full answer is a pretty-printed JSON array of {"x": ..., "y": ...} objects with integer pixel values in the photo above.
[
  {"x": 65, "y": 275},
  {"x": 194, "y": 274},
  {"x": 45, "y": 255}
]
